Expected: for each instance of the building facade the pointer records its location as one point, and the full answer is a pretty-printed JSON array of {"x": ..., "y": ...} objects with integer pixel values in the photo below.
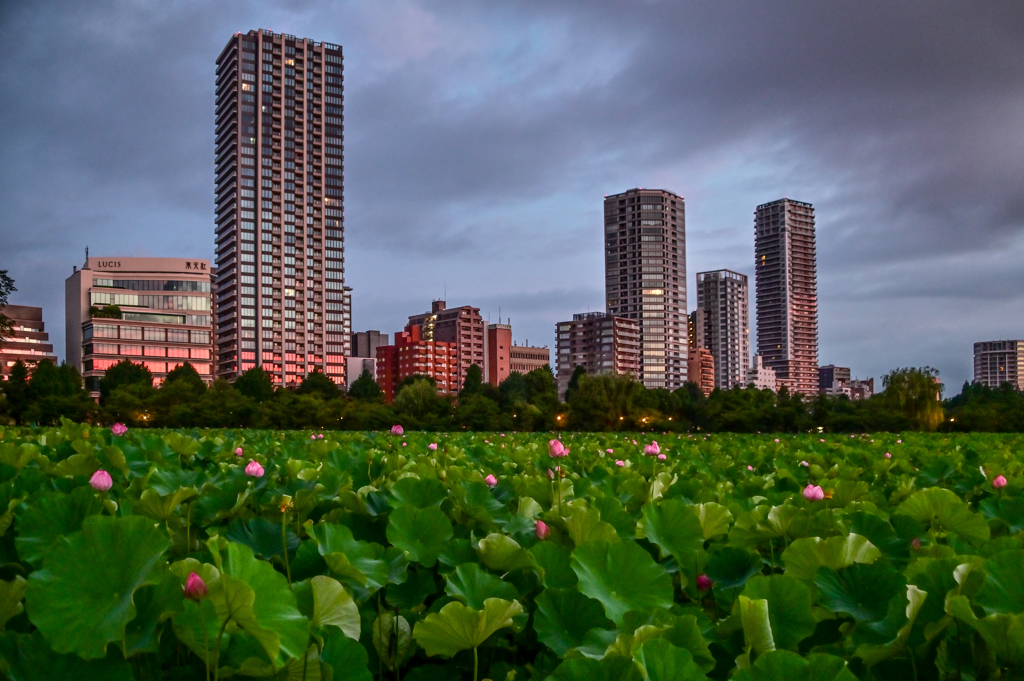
[
  {"x": 462, "y": 326},
  {"x": 998, "y": 362},
  {"x": 724, "y": 296},
  {"x": 831, "y": 377},
  {"x": 760, "y": 376},
  {"x": 413, "y": 354},
  {"x": 600, "y": 343},
  {"x": 785, "y": 271},
  {"x": 695, "y": 329},
  {"x": 645, "y": 278},
  {"x": 279, "y": 165},
  {"x": 701, "y": 369},
  {"x": 365, "y": 343},
  {"x": 152, "y": 311},
  {"x": 28, "y": 341},
  {"x": 526, "y": 358},
  {"x": 356, "y": 366}
]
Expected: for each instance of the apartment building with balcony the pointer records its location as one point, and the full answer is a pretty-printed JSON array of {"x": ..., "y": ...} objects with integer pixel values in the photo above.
[
  {"x": 28, "y": 340},
  {"x": 281, "y": 299},
  {"x": 645, "y": 278},
  {"x": 600, "y": 343},
  {"x": 998, "y": 362},
  {"x": 724, "y": 298},
  {"x": 785, "y": 273},
  {"x": 462, "y": 326},
  {"x": 413, "y": 354},
  {"x": 152, "y": 311}
]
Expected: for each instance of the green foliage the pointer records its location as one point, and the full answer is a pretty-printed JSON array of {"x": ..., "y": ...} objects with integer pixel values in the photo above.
[
  {"x": 123, "y": 374},
  {"x": 317, "y": 383},
  {"x": 255, "y": 384},
  {"x": 7, "y": 287},
  {"x": 366, "y": 389},
  {"x": 364, "y": 553}
]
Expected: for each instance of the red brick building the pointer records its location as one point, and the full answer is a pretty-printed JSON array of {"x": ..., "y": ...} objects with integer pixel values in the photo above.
[{"x": 412, "y": 354}]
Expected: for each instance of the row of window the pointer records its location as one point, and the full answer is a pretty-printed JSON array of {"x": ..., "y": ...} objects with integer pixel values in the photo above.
[
  {"x": 146, "y": 333},
  {"x": 154, "y": 367},
  {"x": 154, "y": 284},
  {"x": 144, "y": 351}
]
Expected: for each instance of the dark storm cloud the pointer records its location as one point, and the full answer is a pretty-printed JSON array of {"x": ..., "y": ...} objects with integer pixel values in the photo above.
[{"x": 481, "y": 138}]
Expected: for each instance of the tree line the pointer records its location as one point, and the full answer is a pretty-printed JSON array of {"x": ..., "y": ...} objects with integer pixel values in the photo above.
[{"x": 523, "y": 402}]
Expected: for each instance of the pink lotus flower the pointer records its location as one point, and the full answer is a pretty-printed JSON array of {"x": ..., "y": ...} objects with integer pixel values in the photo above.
[
  {"x": 397, "y": 430},
  {"x": 821, "y": 440},
  {"x": 899, "y": 442},
  {"x": 542, "y": 530},
  {"x": 620, "y": 462},
  {"x": 320, "y": 436},
  {"x": 915, "y": 544},
  {"x": 491, "y": 480},
  {"x": 813, "y": 493},
  {"x": 634, "y": 441},
  {"x": 888, "y": 455},
  {"x": 776, "y": 439},
  {"x": 101, "y": 480},
  {"x": 556, "y": 448},
  {"x": 704, "y": 583},
  {"x": 432, "y": 446},
  {"x": 405, "y": 444},
  {"x": 118, "y": 429},
  {"x": 551, "y": 474},
  {"x": 750, "y": 468},
  {"x": 652, "y": 449},
  {"x": 238, "y": 452},
  {"x": 254, "y": 469},
  {"x": 609, "y": 451},
  {"x": 661, "y": 457},
  {"x": 804, "y": 463},
  {"x": 999, "y": 481},
  {"x": 312, "y": 437},
  {"x": 195, "y": 587}
]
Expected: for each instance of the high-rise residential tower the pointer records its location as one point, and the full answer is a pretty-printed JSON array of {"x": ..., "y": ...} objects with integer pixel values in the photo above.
[
  {"x": 998, "y": 362},
  {"x": 724, "y": 296},
  {"x": 279, "y": 287},
  {"x": 785, "y": 272},
  {"x": 645, "y": 277}
]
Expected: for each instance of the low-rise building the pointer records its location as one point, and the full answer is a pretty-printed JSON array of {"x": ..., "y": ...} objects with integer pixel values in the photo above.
[
  {"x": 599, "y": 342},
  {"x": 28, "y": 340},
  {"x": 462, "y": 326},
  {"x": 861, "y": 389},
  {"x": 504, "y": 356},
  {"x": 412, "y": 354},
  {"x": 526, "y": 358},
  {"x": 761, "y": 377},
  {"x": 701, "y": 369},
  {"x": 833, "y": 378},
  {"x": 365, "y": 343},
  {"x": 152, "y": 311},
  {"x": 998, "y": 362}
]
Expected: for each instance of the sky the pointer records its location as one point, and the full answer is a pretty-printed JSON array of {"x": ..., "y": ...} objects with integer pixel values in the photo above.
[{"x": 481, "y": 138}]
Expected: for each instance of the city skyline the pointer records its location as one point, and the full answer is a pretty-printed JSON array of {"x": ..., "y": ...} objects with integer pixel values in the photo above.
[{"x": 479, "y": 137}]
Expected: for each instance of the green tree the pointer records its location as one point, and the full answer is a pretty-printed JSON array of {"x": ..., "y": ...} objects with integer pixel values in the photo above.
[
  {"x": 473, "y": 383},
  {"x": 16, "y": 390},
  {"x": 105, "y": 312},
  {"x": 574, "y": 381},
  {"x": 125, "y": 372},
  {"x": 419, "y": 399},
  {"x": 55, "y": 392},
  {"x": 6, "y": 289},
  {"x": 365, "y": 389},
  {"x": 255, "y": 384},
  {"x": 917, "y": 394},
  {"x": 187, "y": 374},
  {"x": 316, "y": 383}
]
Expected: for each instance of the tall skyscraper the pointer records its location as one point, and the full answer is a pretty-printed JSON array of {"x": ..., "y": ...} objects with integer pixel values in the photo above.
[
  {"x": 785, "y": 272},
  {"x": 998, "y": 362},
  {"x": 281, "y": 299},
  {"x": 645, "y": 277},
  {"x": 724, "y": 296}
]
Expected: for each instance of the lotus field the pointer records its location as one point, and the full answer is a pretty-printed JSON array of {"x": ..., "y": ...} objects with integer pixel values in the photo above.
[{"x": 215, "y": 554}]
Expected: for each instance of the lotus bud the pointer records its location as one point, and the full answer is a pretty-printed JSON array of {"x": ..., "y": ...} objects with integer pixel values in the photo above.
[
  {"x": 312, "y": 437},
  {"x": 813, "y": 493},
  {"x": 195, "y": 587},
  {"x": 551, "y": 474},
  {"x": 749, "y": 467},
  {"x": 491, "y": 480},
  {"x": 999, "y": 481},
  {"x": 238, "y": 452},
  {"x": 704, "y": 583},
  {"x": 101, "y": 480},
  {"x": 620, "y": 462},
  {"x": 652, "y": 449},
  {"x": 320, "y": 436},
  {"x": 405, "y": 444},
  {"x": 397, "y": 430},
  {"x": 915, "y": 544},
  {"x": 556, "y": 448},
  {"x": 804, "y": 463},
  {"x": 661, "y": 457},
  {"x": 119, "y": 429},
  {"x": 254, "y": 469},
  {"x": 888, "y": 455},
  {"x": 542, "y": 530},
  {"x": 610, "y": 451},
  {"x": 432, "y": 446}
]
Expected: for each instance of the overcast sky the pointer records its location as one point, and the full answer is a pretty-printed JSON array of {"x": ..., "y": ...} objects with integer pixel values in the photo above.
[{"x": 482, "y": 137}]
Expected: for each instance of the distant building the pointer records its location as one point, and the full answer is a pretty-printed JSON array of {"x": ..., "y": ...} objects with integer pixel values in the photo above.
[
  {"x": 831, "y": 377},
  {"x": 785, "y": 271},
  {"x": 760, "y": 376},
  {"x": 499, "y": 353},
  {"x": 152, "y": 311},
  {"x": 701, "y": 369},
  {"x": 526, "y": 358},
  {"x": 998, "y": 362},
  {"x": 279, "y": 228},
  {"x": 461, "y": 326},
  {"x": 724, "y": 296},
  {"x": 600, "y": 343},
  {"x": 365, "y": 343},
  {"x": 645, "y": 277},
  {"x": 695, "y": 325},
  {"x": 356, "y": 366},
  {"x": 861, "y": 389},
  {"x": 412, "y": 354},
  {"x": 28, "y": 340}
]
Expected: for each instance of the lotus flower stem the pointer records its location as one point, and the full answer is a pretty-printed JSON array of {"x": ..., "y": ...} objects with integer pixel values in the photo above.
[
  {"x": 206, "y": 640},
  {"x": 284, "y": 546},
  {"x": 476, "y": 662}
]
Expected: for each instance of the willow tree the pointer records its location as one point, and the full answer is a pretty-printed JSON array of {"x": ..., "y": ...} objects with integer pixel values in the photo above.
[{"x": 917, "y": 394}]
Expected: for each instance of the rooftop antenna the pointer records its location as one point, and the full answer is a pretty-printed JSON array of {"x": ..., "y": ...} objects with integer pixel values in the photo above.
[{"x": 87, "y": 254}]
